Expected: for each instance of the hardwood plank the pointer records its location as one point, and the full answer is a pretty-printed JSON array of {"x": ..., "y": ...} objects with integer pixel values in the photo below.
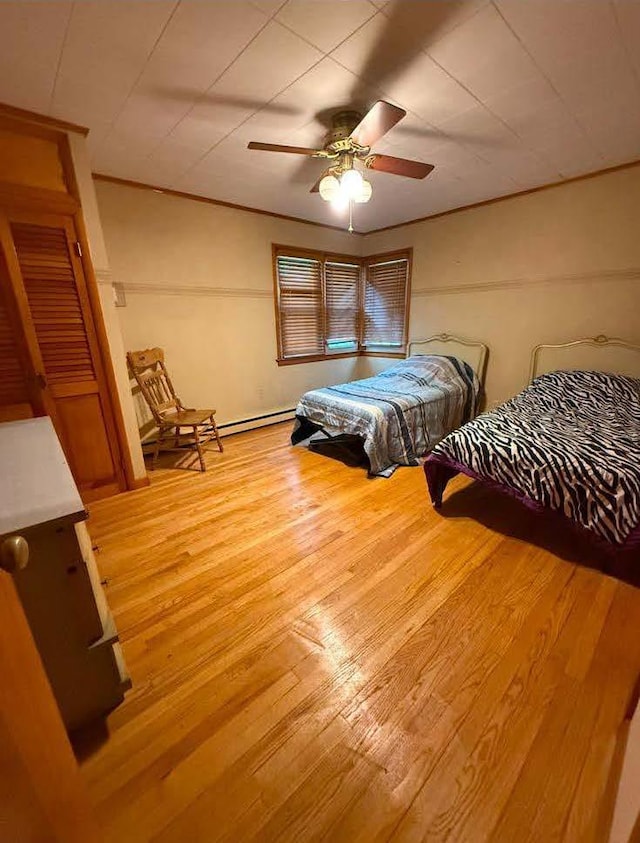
[
  {"x": 592, "y": 806},
  {"x": 320, "y": 656}
]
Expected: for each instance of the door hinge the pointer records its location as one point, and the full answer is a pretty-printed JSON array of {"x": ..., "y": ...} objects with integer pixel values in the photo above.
[{"x": 78, "y": 249}]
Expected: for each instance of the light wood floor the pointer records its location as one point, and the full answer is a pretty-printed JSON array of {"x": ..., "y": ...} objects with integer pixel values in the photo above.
[{"x": 320, "y": 656}]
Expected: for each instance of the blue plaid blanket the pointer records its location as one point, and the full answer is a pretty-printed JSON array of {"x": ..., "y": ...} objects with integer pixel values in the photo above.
[{"x": 400, "y": 414}]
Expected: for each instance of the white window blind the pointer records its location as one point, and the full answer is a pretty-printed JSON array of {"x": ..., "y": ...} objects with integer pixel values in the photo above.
[
  {"x": 385, "y": 304},
  {"x": 300, "y": 306},
  {"x": 342, "y": 283}
]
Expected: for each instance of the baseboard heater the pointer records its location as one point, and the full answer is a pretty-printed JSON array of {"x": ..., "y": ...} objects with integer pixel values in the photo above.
[
  {"x": 256, "y": 421},
  {"x": 238, "y": 426}
]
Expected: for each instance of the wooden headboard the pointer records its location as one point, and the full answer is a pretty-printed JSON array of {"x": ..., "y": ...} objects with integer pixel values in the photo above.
[
  {"x": 602, "y": 354},
  {"x": 473, "y": 352}
]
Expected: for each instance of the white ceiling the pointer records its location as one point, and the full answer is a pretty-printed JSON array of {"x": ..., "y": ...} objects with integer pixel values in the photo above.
[{"x": 501, "y": 96}]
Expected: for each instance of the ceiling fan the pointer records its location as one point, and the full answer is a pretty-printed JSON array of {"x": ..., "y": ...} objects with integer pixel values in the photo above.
[{"x": 349, "y": 141}]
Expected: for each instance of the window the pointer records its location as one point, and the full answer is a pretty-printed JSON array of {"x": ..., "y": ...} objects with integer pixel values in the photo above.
[
  {"x": 342, "y": 294},
  {"x": 340, "y": 305},
  {"x": 386, "y": 303},
  {"x": 300, "y": 305}
]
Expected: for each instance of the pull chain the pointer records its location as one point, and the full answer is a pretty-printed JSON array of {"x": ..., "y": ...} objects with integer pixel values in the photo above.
[{"x": 350, "y": 217}]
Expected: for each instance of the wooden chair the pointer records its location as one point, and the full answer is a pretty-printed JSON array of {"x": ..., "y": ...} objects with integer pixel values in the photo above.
[{"x": 171, "y": 416}]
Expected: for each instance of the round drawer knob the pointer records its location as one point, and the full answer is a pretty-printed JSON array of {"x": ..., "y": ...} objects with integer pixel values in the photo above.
[{"x": 14, "y": 554}]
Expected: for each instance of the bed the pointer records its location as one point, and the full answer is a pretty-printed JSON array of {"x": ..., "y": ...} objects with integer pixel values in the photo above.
[
  {"x": 397, "y": 416},
  {"x": 569, "y": 443}
]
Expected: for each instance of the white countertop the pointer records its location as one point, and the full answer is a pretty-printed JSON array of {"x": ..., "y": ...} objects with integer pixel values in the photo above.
[{"x": 36, "y": 484}]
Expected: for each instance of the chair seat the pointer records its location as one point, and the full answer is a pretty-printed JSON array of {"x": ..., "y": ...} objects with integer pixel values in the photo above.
[{"x": 186, "y": 418}]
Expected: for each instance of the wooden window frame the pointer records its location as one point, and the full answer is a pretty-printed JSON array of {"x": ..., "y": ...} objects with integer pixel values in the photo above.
[{"x": 279, "y": 249}]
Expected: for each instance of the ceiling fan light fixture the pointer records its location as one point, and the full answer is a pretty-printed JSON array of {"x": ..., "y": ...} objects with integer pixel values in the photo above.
[
  {"x": 351, "y": 183},
  {"x": 329, "y": 188},
  {"x": 340, "y": 202},
  {"x": 365, "y": 192}
]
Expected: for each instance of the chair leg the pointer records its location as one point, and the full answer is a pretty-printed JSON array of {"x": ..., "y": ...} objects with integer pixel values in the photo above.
[
  {"x": 196, "y": 436},
  {"x": 215, "y": 430},
  {"x": 176, "y": 441},
  {"x": 156, "y": 450}
]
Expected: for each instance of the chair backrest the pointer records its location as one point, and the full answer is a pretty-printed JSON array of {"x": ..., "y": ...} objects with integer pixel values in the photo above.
[{"x": 151, "y": 375}]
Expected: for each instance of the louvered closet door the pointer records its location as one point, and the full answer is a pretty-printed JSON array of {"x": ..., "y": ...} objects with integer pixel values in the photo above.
[
  {"x": 15, "y": 395},
  {"x": 20, "y": 393},
  {"x": 54, "y": 287}
]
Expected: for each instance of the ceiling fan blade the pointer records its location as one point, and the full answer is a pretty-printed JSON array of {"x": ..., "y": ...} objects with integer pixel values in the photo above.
[
  {"x": 381, "y": 117},
  {"x": 275, "y": 147},
  {"x": 398, "y": 166}
]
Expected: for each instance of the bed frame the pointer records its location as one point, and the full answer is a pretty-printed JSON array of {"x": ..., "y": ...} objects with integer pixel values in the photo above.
[
  {"x": 471, "y": 351},
  {"x": 599, "y": 353}
]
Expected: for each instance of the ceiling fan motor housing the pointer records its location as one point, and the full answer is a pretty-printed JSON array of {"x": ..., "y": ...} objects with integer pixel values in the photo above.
[{"x": 339, "y": 138}]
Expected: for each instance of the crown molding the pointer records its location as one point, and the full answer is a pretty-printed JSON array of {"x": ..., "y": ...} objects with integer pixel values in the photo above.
[
  {"x": 219, "y": 202},
  {"x": 592, "y": 175},
  {"x": 485, "y": 202},
  {"x": 605, "y": 276}
]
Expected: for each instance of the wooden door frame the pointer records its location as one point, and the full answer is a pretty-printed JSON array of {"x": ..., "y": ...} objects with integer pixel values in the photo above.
[
  {"x": 41, "y": 200},
  {"x": 95, "y": 305}
]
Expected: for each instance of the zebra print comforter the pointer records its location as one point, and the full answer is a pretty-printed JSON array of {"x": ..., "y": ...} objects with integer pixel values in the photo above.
[
  {"x": 399, "y": 414},
  {"x": 570, "y": 442}
]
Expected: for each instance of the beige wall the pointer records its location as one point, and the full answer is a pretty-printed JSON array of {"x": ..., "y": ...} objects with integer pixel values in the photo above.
[
  {"x": 549, "y": 266},
  {"x": 198, "y": 281}
]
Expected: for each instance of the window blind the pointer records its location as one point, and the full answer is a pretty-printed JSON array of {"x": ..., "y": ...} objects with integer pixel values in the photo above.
[
  {"x": 342, "y": 282},
  {"x": 329, "y": 304},
  {"x": 385, "y": 302},
  {"x": 301, "y": 315}
]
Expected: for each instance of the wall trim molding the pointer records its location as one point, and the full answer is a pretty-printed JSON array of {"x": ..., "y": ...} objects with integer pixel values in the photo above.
[
  {"x": 605, "y": 276},
  {"x": 195, "y": 197},
  {"x": 103, "y": 276},
  {"x": 191, "y": 290}
]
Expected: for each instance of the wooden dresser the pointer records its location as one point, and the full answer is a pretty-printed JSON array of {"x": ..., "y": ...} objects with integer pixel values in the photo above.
[{"x": 60, "y": 586}]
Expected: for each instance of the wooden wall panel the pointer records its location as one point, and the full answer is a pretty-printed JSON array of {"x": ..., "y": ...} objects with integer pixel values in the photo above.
[
  {"x": 81, "y": 418},
  {"x": 30, "y": 161}
]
